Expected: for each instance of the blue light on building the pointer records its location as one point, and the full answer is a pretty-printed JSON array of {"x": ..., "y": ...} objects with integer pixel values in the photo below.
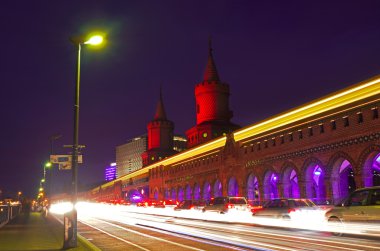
[{"x": 110, "y": 172}]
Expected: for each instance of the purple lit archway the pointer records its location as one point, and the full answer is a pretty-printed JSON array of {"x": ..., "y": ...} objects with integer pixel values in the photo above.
[
  {"x": 167, "y": 193},
  {"x": 290, "y": 183},
  {"x": 218, "y": 189},
  {"x": 173, "y": 194},
  {"x": 155, "y": 193},
  {"x": 197, "y": 192},
  {"x": 206, "y": 191},
  {"x": 233, "y": 187},
  {"x": 134, "y": 195},
  {"x": 343, "y": 182},
  {"x": 188, "y": 192},
  {"x": 314, "y": 183},
  {"x": 252, "y": 188},
  {"x": 371, "y": 170},
  {"x": 270, "y": 185},
  {"x": 180, "y": 194}
]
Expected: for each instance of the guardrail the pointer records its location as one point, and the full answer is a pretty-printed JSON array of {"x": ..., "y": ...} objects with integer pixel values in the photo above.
[{"x": 8, "y": 212}]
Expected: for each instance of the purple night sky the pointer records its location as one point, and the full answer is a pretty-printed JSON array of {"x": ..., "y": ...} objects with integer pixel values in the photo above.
[{"x": 275, "y": 55}]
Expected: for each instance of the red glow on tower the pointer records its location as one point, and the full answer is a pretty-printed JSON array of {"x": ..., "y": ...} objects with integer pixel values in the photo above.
[
  {"x": 212, "y": 106},
  {"x": 160, "y": 136}
]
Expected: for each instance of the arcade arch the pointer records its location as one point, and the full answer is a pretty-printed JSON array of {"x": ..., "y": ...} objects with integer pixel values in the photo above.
[
  {"x": 343, "y": 180},
  {"x": 315, "y": 181},
  {"x": 180, "y": 194},
  {"x": 371, "y": 170},
  {"x": 270, "y": 185},
  {"x": 188, "y": 192},
  {"x": 217, "y": 189},
  {"x": 290, "y": 183},
  {"x": 206, "y": 193},
  {"x": 173, "y": 194},
  {"x": 233, "y": 187},
  {"x": 253, "y": 192},
  {"x": 197, "y": 192},
  {"x": 155, "y": 193}
]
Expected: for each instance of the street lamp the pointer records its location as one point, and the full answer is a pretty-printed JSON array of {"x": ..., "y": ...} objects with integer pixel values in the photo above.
[
  {"x": 47, "y": 165},
  {"x": 70, "y": 236}
]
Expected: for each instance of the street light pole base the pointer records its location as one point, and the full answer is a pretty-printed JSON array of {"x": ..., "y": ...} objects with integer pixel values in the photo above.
[{"x": 70, "y": 228}]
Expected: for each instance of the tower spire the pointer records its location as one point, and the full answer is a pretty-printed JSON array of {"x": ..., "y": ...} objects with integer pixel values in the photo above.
[
  {"x": 211, "y": 74},
  {"x": 160, "y": 110}
]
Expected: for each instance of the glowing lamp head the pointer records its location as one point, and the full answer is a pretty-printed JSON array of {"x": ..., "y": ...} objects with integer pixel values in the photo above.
[
  {"x": 94, "y": 40},
  {"x": 42, "y": 180},
  {"x": 48, "y": 164}
]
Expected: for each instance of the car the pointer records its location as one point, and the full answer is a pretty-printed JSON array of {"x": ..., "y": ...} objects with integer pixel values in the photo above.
[
  {"x": 282, "y": 207},
  {"x": 166, "y": 203},
  {"x": 190, "y": 204},
  {"x": 145, "y": 203},
  {"x": 224, "y": 205},
  {"x": 361, "y": 206}
]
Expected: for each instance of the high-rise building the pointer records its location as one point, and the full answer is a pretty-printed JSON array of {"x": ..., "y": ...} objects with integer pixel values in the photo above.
[
  {"x": 110, "y": 172},
  {"x": 128, "y": 155}
]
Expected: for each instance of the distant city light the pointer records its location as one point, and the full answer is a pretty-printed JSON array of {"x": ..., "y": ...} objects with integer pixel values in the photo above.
[{"x": 110, "y": 172}]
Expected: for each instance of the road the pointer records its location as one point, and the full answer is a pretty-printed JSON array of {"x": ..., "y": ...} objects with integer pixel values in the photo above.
[{"x": 134, "y": 230}]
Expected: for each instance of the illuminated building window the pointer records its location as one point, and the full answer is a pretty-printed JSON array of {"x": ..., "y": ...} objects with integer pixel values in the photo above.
[
  {"x": 300, "y": 135},
  {"x": 321, "y": 128},
  {"x": 346, "y": 121},
  {"x": 375, "y": 113},
  {"x": 333, "y": 125},
  {"x": 290, "y": 137},
  {"x": 282, "y": 139},
  {"x": 360, "y": 117},
  {"x": 310, "y": 129}
]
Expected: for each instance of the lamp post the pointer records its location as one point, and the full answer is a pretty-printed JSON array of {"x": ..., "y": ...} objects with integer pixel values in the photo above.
[
  {"x": 47, "y": 165},
  {"x": 70, "y": 222}
]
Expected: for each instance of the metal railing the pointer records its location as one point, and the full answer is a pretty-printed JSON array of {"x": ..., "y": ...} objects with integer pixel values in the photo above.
[{"x": 8, "y": 212}]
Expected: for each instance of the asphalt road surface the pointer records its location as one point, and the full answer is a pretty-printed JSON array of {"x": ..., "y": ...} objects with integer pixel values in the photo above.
[{"x": 122, "y": 230}]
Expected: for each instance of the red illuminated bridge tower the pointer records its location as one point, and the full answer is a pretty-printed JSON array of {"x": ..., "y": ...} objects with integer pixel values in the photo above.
[
  {"x": 160, "y": 136},
  {"x": 212, "y": 107}
]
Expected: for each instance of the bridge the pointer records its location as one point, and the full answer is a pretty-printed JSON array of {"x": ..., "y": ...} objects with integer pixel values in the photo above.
[{"x": 321, "y": 150}]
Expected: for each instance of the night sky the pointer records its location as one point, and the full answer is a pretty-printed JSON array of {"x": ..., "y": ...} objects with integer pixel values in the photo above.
[{"x": 275, "y": 55}]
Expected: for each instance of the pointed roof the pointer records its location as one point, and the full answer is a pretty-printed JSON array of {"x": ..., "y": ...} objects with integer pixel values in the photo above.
[
  {"x": 211, "y": 74},
  {"x": 160, "y": 110}
]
